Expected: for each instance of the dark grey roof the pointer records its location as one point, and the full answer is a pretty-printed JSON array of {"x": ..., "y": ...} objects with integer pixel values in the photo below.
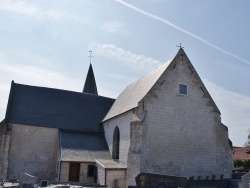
[
  {"x": 40, "y": 106},
  {"x": 130, "y": 97},
  {"x": 83, "y": 147},
  {"x": 90, "y": 84}
]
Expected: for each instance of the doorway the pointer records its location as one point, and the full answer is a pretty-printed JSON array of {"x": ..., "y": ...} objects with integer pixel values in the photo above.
[{"x": 74, "y": 171}]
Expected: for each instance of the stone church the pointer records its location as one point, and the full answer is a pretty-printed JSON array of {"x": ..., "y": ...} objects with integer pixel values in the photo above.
[{"x": 164, "y": 123}]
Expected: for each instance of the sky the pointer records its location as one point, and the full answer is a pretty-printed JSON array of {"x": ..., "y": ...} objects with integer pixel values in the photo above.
[{"x": 47, "y": 43}]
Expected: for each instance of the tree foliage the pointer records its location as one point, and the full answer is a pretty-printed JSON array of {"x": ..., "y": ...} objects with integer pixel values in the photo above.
[
  {"x": 247, "y": 143},
  {"x": 242, "y": 163}
]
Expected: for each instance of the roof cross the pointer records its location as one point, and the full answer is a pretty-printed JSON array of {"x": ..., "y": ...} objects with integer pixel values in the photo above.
[
  {"x": 181, "y": 47},
  {"x": 90, "y": 55}
]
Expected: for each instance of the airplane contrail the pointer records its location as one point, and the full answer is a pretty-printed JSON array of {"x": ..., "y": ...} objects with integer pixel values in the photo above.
[{"x": 181, "y": 30}]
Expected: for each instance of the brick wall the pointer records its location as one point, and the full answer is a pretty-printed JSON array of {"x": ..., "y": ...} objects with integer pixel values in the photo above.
[{"x": 33, "y": 150}]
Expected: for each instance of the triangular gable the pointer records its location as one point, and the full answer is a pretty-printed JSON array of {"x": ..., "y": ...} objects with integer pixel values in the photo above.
[
  {"x": 181, "y": 55},
  {"x": 135, "y": 92}
]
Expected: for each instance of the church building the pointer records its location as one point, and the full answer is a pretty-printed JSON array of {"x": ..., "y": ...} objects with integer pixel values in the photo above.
[{"x": 165, "y": 123}]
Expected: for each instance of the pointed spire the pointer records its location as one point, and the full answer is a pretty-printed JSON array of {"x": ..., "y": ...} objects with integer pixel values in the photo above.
[{"x": 90, "y": 84}]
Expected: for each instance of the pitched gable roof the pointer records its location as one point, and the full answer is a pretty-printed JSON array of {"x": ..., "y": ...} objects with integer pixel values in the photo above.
[
  {"x": 47, "y": 107},
  {"x": 130, "y": 97},
  {"x": 135, "y": 92}
]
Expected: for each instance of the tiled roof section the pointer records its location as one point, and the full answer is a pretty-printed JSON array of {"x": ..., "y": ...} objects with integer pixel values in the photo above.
[
  {"x": 46, "y": 107},
  {"x": 83, "y": 147},
  {"x": 130, "y": 97},
  {"x": 241, "y": 153},
  {"x": 90, "y": 84}
]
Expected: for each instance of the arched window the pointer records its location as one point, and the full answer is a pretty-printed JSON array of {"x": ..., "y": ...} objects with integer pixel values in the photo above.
[{"x": 116, "y": 143}]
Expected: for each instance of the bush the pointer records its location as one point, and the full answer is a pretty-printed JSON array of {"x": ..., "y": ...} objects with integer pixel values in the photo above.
[
  {"x": 238, "y": 163},
  {"x": 242, "y": 163}
]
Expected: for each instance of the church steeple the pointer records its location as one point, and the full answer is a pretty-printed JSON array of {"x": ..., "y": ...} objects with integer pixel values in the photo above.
[{"x": 90, "y": 84}]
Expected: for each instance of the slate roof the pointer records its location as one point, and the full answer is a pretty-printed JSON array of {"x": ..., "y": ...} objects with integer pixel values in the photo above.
[
  {"x": 83, "y": 147},
  {"x": 90, "y": 84},
  {"x": 47, "y": 107},
  {"x": 135, "y": 92}
]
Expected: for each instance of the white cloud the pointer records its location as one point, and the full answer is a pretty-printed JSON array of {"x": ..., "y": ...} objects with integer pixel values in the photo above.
[
  {"x": 235, "y": 111},
  {"x": 112, "y": 27},
  {"x": 125, "y": 56},
  {"x": 26, "y": 9}
]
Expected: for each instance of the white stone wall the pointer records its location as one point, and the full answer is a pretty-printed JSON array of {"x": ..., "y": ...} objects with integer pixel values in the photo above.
[
  {"x": 33, "y": 150},
  {"x": 101, "y": 178},
  {"x": 116, "y": 178},
  {"x": 64, "y": 171},
  {"x": 123, "y": 123},
  {"x": 5, "y": 131},
  {"x": 84, "y": 173},
  {"x": 183, "y": 135}
]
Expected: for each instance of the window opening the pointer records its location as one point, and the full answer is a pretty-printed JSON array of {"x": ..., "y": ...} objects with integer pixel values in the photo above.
[
  {"x": 91, "y": 171},
  {"x": 116, "y": 143},
  {"x": 182, "y": 89}
]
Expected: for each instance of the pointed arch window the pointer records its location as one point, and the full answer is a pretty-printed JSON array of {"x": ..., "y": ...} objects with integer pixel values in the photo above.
[{"x": 116, "y": 143}]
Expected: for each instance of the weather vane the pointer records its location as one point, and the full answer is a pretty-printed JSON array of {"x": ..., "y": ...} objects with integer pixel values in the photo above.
[
  {"x": 181, "y": 47},
  {"x": 90, "y": 55}
]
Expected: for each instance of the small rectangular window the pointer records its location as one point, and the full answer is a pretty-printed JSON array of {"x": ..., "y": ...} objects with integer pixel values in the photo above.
[
  {"x": 91, "y": 170},
  {"x": 182, "y": 89}
]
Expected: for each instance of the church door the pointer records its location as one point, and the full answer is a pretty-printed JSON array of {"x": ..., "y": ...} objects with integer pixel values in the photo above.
[{"x": 74, "y": 171}]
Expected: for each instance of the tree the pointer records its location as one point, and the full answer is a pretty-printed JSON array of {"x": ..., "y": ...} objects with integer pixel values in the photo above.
[{"x": 247, "y": 143}]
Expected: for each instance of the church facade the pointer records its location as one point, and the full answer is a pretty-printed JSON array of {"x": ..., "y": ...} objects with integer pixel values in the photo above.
[{"x": 164, "y": 123}]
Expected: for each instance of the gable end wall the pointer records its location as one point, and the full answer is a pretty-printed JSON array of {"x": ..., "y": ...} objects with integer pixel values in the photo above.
[{"x": 183, "y": 135}]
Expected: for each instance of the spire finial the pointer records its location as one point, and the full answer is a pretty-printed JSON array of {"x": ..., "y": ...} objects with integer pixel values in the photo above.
[
  {"x": 90, "y": 55},
  {"x": 181, "y": 47}
]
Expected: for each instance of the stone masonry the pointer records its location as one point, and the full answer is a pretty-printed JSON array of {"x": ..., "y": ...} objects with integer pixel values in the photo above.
[
  {"x": 33, "y": 150},
  {"x": 173, "y": 134}
]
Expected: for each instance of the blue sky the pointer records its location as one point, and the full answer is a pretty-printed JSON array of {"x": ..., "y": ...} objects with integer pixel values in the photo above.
[{"x": 46, "y": 43}]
